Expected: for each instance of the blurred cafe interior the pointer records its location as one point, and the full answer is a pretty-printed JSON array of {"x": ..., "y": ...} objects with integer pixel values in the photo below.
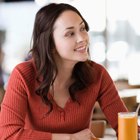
[{"x": 114, "y": 41}]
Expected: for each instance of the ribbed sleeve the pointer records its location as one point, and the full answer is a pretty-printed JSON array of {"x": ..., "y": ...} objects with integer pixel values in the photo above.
[
  {"x": 14, "y": 109},
  {"x": 109, "y": 100}
]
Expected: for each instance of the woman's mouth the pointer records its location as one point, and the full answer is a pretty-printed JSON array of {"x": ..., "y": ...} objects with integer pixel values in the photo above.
[{"x": 81, "y": 49}]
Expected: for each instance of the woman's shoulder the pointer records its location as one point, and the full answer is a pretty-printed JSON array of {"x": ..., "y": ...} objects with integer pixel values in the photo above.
[
  {"x": 97, "y": 66},
  {"x": 23, "y": 72},
  {"x": 100, "y": 71},
  {"x": 25, "y": 69},
  {"x": 26, "y": 66}
]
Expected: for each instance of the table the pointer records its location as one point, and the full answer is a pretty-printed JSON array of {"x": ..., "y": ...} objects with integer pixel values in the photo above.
[{"x": 110, "y": 134}]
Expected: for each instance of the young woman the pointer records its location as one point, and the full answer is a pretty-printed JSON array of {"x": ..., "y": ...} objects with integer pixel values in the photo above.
[{"x": 51, "y": 96}]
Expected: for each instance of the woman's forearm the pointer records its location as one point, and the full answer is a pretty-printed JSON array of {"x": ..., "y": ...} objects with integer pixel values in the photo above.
[{"x": 85, "y": 134}]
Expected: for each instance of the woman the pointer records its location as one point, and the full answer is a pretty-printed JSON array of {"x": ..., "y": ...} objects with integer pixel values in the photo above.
[{"x": 51, "y": 96}]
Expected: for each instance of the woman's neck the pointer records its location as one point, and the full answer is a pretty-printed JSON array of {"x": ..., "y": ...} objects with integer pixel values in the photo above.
[
  {"x": 64, "y": 76},
  {"x": 65, "y": 69}
]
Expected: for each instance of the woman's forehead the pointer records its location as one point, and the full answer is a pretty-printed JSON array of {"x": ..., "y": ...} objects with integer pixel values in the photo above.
[{"x": 68, "y": 19}]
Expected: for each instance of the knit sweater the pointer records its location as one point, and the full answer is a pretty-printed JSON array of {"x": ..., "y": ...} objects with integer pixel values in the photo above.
[{"x": 24, "y": 116}]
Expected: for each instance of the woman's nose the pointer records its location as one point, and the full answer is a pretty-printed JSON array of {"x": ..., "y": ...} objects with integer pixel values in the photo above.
[{"x": 80, "y": 38}]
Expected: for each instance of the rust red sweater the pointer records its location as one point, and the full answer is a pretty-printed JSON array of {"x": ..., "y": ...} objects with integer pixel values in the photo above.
[{"x": 23, "y": 115}]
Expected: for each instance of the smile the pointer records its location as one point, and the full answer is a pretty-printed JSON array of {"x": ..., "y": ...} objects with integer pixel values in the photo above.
[{"x": 81, "y": 49}]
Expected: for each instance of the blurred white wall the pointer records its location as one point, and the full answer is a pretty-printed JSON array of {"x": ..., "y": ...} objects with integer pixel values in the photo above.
[{"x": 17, "y": 20}]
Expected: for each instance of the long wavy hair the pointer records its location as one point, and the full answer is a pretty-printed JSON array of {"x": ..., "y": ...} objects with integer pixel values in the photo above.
[{"x": 42, "y": 53}]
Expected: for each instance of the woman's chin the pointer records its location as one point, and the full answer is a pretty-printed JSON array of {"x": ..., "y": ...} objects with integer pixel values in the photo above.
[{"x": 84, "y": 59}]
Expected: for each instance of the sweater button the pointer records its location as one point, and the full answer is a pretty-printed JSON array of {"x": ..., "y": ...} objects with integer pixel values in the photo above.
[{"x": 62, "y": 115}]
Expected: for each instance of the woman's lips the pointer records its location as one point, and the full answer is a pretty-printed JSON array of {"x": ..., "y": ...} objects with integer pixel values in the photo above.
[{"x": 81, "y": 49}]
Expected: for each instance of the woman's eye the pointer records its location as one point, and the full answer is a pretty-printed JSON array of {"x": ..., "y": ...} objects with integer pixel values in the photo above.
[
  {"x": 69, "y": 34},
  {"x": 83, "y": 29}
]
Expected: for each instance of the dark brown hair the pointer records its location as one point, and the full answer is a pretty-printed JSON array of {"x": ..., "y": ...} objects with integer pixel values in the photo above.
[{"x": 42, "y": 53}]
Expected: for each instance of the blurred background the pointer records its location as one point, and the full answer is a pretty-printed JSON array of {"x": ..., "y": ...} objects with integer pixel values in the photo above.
[
  {"x": 114, "y": 34},
  {"x": 114, "y": 39}
]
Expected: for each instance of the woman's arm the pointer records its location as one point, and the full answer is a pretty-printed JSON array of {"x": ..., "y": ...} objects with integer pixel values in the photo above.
[
  {"x": 13, "y": 111},
  {"x": 85, "y": 134},
  {"x": 110, "y": 101}
]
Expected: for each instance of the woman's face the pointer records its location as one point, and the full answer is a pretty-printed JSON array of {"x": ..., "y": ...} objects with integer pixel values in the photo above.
[{"x": 71, "y": 38}]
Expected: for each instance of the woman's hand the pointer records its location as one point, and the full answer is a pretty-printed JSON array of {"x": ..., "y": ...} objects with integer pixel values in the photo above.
[{"x": 85, "y": 134}]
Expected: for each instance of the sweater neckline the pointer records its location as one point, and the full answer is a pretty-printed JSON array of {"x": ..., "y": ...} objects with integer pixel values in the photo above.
[{"x": 55, "y": 105}]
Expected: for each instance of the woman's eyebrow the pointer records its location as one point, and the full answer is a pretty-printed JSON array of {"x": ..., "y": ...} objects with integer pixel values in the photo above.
[{"x": 71, "y": 27}]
